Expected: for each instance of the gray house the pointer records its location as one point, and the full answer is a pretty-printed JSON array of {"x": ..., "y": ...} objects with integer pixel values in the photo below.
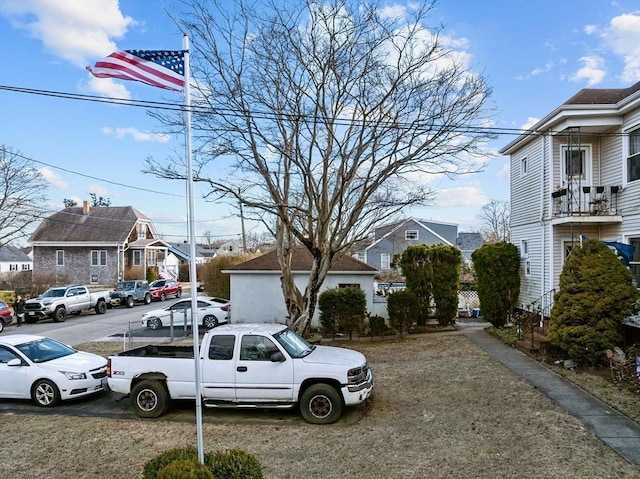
[
  {"x": 393, "y": 238},
  {"x": 95, "y": 245}
]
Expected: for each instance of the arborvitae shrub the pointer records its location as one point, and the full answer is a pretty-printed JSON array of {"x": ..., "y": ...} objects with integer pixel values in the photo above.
[
  {"x": 497, "y": 267},
  {"x": 185, "y": 469},
  {"x": 329, "y": 306},
  {"x": 352, "y": 310},
  {"x": 595, "y": 294},
  {"x": 377, "y": 325},
  {"x": 234, "y": 464},
  {"x": 403, "y": 310}
]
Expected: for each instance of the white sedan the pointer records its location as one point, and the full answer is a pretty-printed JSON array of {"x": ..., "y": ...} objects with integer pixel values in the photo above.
[
  {"x": 210, "y": 313},
  {"x": 46, "y": 371}
]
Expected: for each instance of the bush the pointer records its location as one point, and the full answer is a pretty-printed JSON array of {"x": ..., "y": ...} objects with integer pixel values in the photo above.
[
  {"x": 595, "y": 294},
  {"x": 234, "y": 464},
  {"x": 329, "y": 306},
  {"x": 377, "y": 325},
  {"x": 162, "y": 460},
  {"x": 403, "y": 310},
  {"x": 497, "y": 267},
  {"x": 342, "y": 309},
  {"x": 185, "y": 469},
  {"x": 214, "y": 281}
]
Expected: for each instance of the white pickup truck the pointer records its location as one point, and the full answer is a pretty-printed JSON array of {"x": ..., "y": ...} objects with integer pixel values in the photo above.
[
  {"x": 245, "y": 365},
  {"x": 58, "y": 302}
]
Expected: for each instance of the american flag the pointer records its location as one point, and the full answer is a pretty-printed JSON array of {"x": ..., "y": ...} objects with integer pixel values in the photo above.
[{"x": 159, "y": 68}]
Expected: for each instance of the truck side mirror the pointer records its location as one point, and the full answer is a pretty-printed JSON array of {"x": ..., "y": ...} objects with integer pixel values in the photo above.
[{"x": 277, "y": 357}]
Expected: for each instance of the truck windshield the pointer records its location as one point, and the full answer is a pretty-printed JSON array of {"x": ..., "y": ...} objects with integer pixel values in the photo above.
[
  {"x": 54, "y": 293},
  {"x": 295, "y": 345},
  {"x": 125, "y": 285}
]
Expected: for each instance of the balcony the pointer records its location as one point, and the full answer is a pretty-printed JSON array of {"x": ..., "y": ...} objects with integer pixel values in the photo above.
[{"x": 586, "y": 204}]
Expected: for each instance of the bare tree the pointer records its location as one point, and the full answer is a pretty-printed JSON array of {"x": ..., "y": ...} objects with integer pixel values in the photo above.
[
  {"x": 207, "y": 236},
  {"x": 337, "y": 113},
  {"x": 496, "y": 218},
  {"x": 22, "y": 198}
]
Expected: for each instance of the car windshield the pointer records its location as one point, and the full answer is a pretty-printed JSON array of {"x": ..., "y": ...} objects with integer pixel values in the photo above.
[
  {"x": 124, "y": 285},
  {"x": 295, "y": 345},
  {"x": 157, "y": 284},
  {"x": 43, "y": 350},
  {"x": 54, "y": 293}
]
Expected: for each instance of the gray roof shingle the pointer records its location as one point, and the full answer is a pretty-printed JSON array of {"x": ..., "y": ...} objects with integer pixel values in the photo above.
[{"x": 602, "y": 96}]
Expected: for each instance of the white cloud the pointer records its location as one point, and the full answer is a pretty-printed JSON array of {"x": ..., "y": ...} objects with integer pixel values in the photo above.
[
  {"x": 504, "y": 173},
  {"x": 99, "y": 190},
  {"x": 137, "y": 135},
  {"x": 622, "y": 37},
  {"x": 590, "y": 29},
  {"x": 592, "y": 70},
  {"x": 106, "y": 87},
  {"x": 529, "y": 123},
  {"x": 53, "y": 178},
  {"x": 547, "y": 67},
  {"x": 463, "y": 196}
]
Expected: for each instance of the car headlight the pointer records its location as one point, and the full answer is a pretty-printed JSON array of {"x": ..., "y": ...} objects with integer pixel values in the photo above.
[{"x": 71, "y": 376}]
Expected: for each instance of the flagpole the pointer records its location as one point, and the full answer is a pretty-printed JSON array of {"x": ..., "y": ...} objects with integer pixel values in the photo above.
[{"x": 192, "y": 248}]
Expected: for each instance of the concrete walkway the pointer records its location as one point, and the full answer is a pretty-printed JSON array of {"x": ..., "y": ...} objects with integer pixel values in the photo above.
[{"x": 621, "y": 433}]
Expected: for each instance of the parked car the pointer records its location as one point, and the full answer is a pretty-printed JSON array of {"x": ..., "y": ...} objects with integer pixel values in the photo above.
[
  {"x": 210, "y": 313},
  {"x": 6, "y": 315},
  {"x": 47, "y": 371},
  {"x": 163, "y": 288},
  {"x": 130, "y": 293}
]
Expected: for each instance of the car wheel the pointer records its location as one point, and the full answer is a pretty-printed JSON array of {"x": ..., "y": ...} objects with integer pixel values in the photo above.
[
  {"x": 1, "y": 325},
  {"x": 45, "y": 393},
  {"x": 147, "y": 299},
  {"x": 209, "y": 321},
  {"x": 178, "y": 293},
  {"x": 149, "y": 398},
  {"x": 154, "y": 323},
  {"x": 163, "y": 296},
  {"x": 321, "y": 404},
  {"x": 59, "y": 315},
  {"x": 129, "y": 302},
  {"x": 101, "y": 307}
]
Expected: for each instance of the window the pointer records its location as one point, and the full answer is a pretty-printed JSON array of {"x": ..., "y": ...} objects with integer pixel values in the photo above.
[
  {"x": 348, "y": 285},
  {"x": 59, "y": 257},
  {"x": 98, "y": 257},
  {"x": 152, "y": 258},
  {"x": 633, "y": 161},
  {"x": 25, "y": 267},
  {"x": 524, "y": 248},
  {"x": 142, "y": 231},
  {"x": 634, "y": 264},
  {"x": 137, "y": 258},
  {"x": 527, "y": 267},
  {"x": 574, "y": 163},
  {"x": 524, "y": 166},
  {"x": 411, "y": 235},
  {"x": 13, "y": 267},
  {"x": 385, "y": 261},
  {"x": 221, "y": 347},
  {"x": 256, "y": 348}
]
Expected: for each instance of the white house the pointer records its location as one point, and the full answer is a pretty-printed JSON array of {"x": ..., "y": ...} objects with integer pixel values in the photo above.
[
  {"x": 13, "y": 260},
  {"x": 256, "y": 291},
  {"x": 575, "y": 174}
]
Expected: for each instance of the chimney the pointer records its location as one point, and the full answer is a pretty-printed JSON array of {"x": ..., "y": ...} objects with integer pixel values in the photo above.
[{"x": 85, "y": 207}]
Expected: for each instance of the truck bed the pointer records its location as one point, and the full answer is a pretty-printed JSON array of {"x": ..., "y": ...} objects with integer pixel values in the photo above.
[{"x": 159, "y": 351}]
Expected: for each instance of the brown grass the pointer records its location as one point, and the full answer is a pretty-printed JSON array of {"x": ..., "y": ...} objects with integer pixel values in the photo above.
[{"x": 442, "y": 408}]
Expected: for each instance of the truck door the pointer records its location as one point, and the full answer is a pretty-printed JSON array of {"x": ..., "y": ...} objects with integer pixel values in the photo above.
[
  {"x": 218, "y": 371},
  {"x": 257, "y": 377},
  {"x": 77, "y": 299}
]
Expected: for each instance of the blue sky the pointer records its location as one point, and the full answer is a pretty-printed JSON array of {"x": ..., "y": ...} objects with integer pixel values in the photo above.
[{"x": 535, "y": 54}]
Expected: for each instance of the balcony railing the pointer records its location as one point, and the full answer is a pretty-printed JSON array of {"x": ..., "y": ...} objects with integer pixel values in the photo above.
[{"x": 586, "y": 201}]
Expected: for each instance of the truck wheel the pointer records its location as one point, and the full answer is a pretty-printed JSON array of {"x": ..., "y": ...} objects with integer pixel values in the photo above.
[
  {"x": 101, "y": 307},
  {"x": 129, "y": 301},
  {"x": 45, "y": 393},
  {"x": 59, "y": 315},
  {"x": 149, "y": 398},
  {"x": 147, "y": 298},
  {"x": 321, "y": 404},
  {"x": 154, "y": 323},
  {"x": 210, "y": 321}
]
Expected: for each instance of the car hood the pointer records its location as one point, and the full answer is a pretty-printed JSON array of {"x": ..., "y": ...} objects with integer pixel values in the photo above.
[
  {"x": 77, "y": 362},
  {"x": 333, "y": 355},
  {"x": 154, "y": 313}
]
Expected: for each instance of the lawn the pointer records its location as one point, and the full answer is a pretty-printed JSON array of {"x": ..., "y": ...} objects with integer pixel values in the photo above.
[{"x": 442, "y": 408}]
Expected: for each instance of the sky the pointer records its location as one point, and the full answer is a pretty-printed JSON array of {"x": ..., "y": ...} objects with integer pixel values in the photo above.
[{"x": 535, "y": 55}]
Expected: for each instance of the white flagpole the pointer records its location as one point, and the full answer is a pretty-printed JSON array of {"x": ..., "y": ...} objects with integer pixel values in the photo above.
[{"x": 192, "y": 248}]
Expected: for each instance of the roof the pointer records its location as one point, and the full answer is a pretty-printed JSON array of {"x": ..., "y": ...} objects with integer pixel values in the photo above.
[
  {"x": 11, "y": 254},
  {"x": 602, "y": 96},
  {"x": 183, "y": 250},
  {"x": 265, "y": 328},
  {"x": 101, "y": 224},
  {"x": 393, "y": 228},
  {"x": 467, "y": 241},
  {"x": 14, "y": 339},
  {"x": 302, "y": 261}
]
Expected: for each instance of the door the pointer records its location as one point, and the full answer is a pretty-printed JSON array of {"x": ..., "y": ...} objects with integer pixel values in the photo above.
[
  {"x": 13, "y": 379},
  {"x": 257, "y": 377},
  {"x": 218, "y": 369},
  {"x": 77, "y": 299},
  {"x": 576, "y": 175}
]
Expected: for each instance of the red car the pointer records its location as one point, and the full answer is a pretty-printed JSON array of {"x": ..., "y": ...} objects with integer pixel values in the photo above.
[
  {"x": 6, "y": 315},
  {"x": 163, "y": 288}
]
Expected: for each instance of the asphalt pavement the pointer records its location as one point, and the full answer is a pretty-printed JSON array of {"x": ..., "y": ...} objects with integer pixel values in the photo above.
[{"x": 620, "y": 432}]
